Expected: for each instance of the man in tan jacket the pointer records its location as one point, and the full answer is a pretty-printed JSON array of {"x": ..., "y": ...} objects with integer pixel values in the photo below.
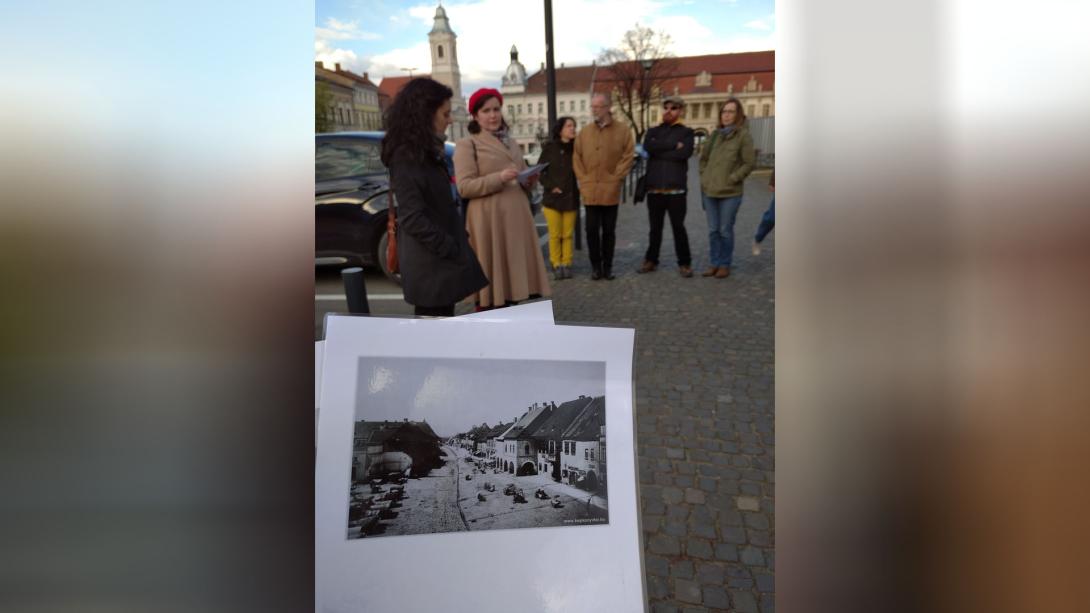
[{"x": 604, "y": 152}]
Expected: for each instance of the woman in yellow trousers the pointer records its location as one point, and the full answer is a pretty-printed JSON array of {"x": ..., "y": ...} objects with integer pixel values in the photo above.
[{"x": 561, "y": 198}]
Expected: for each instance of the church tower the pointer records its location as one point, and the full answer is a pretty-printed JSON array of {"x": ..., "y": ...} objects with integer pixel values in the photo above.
[{"x": 444, "y": 68}]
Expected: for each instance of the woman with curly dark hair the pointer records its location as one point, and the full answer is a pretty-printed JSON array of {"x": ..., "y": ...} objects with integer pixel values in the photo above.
[{"x": 438, "y": 267}]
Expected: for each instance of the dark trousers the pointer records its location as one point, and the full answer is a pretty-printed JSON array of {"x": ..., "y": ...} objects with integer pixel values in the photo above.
[
  {"x": 443, "y": 311},
  {"x": 658, "y": 205},
  {"x": 768, "y": 221},
  {"x": 601, "y": 235}
]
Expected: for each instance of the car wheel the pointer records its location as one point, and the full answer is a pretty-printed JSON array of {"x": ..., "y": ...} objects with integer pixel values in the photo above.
[{"x": 380, "y": 257}]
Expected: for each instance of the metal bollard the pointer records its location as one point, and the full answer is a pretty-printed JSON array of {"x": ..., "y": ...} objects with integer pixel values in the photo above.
[{"x": 355, "y": 290}]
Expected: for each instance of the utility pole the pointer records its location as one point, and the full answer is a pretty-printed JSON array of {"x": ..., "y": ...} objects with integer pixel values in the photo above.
[{"x": 550, "y": 71}]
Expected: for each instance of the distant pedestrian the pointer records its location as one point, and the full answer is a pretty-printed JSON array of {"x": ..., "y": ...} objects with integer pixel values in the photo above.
[
  {"x": 438, "y": 268},
  {"x": 501, "y": 227},
  {"x": 604, "y": 153},
  {"x": 669, "y": 146},
  {"x": 768, "y": 220},
  {"x": 725, "y": 162},
  {"x": 561, "y": 199}
]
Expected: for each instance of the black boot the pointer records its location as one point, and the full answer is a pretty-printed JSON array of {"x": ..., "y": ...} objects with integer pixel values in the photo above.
[
  {"x": 607, "y": 273},
  {"x": 596, "y": 274}
]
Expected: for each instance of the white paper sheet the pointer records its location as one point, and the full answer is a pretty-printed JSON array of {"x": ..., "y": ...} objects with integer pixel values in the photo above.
[{"x": 590, "y": 568}]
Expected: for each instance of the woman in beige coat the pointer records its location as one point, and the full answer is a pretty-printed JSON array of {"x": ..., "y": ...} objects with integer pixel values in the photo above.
[{"x": 501, "y": 228}]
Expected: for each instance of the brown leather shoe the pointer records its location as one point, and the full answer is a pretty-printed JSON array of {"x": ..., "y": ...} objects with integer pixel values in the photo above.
[
  {"x": 723, "y": 272},
  {"x": 647, "y": 266},
  {"x": 709, "y": 272},
  {"x": 685, "y": 271}
]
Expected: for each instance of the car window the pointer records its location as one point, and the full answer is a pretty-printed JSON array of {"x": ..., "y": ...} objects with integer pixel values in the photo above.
[{"x": 345, "y": 157}]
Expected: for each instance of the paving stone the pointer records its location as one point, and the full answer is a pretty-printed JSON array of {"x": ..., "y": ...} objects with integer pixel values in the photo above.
[
  {"x": 756, "y": 520},
  {"x": 752, "y": 556},
  {"x": 716, "y": 598},
  {"x": 748, "y": 503},
  {"x": 734, "y": 534},
  {"x": 699, "y": 548},
  {"x": 710, "y": 574},
  {"x": 681, "y": 569},
  {"x": 694, "y": 496},
  {"x": 768, "y": 603},
  {"x": 672, "y": 495},
  {"x": 665, "y": 545},
  {"x": 744, "y": 602},
  {"x": 765, "y": 582},
  {"x": 726, "y": 552},
  {"x": 687, "y": 591}
]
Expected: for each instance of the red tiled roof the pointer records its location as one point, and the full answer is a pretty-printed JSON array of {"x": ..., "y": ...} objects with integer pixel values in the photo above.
[
  {"x": 390, "y": 86},
  {"x": 734, "y": 68},
  {"x": 568, "y": 79}
]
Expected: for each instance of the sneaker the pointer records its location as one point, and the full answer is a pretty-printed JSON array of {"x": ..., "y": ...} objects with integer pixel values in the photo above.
[
  {"x": 723, "y": 272},
  {"x": 647, "y": 266},
  {"x": 710, "y": 272},
  {"x": 685, "y": 271},
  {"x": 756, "y": 248}
]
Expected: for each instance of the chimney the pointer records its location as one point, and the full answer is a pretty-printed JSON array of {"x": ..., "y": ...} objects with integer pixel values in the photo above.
[
  {"x": 543, "y": 65},
  {"x": 318, "y": 64},
  {"x": 338, "y": 66},
  {"x": 561, "y": 64}
]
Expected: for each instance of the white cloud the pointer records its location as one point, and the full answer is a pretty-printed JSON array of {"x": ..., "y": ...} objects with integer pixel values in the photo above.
[
  {"x": 758, "y": 24},
  {"x": 381, "y": 378},
  {"x": 343, "y": 30},
  {"x": 329, "y": 55}
]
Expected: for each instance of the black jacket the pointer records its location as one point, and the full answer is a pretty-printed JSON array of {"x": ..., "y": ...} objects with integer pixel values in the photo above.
[
  {"x": 559, "y": 173},
  {"x": 668, "y": 166},
  {"x": 438, "y": 267}
]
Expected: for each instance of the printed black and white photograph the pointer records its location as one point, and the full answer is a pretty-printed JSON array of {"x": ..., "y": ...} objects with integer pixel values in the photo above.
[{"x": 450, "y": 445}]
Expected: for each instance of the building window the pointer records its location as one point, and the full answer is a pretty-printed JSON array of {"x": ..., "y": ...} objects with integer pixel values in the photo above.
[
  {"x": 526, "y": 447},
  {"x": 766, "y": 110},
  {"x": 586, "y": 454},
  {"x": 519, "y": 109},
  {"x": 582, "y": 105},
  {"x": 540, "y": 108},
  {"x": 440, "y": 50},
  {"x": 592, "y": 453},
  {"x": 708, "y": 110},
  {"x": 511, "y": 110},
  {"x": 654, "y": 115},
  {"x": 750, "y": 110}
]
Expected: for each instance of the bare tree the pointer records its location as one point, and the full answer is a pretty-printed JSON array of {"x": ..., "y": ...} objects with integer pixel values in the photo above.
[{"x": 639, "y": 66}]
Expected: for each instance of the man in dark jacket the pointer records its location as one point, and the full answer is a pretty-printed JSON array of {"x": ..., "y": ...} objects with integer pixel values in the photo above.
[{"x": 669, "y": 146}]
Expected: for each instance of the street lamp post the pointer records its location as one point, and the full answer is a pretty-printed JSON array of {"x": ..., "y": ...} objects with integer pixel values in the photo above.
[{"x": 645, "y": 89}]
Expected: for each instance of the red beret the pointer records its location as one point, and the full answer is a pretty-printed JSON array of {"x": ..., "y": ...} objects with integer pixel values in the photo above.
[{"x": 480, "y": 96}]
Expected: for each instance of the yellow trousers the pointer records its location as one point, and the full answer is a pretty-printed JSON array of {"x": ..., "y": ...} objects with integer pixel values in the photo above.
[{"x": 561, "y": 228}]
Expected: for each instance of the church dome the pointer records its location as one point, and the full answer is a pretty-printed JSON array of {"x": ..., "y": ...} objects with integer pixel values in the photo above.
[{"x": 516, "y": 72}]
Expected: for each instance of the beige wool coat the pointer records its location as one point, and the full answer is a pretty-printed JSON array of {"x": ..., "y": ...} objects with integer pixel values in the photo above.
[
  {"x": 501, "y": 228},
  {"x": 602, "y": 159}
]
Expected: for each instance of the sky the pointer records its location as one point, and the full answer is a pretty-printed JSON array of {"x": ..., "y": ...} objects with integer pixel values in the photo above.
[
  {"x": 456, "y": 395},
  {"x": 381, "y": 37}
]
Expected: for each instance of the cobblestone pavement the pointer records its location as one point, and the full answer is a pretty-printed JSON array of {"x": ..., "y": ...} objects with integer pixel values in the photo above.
[{"x": 704, "y": 403}]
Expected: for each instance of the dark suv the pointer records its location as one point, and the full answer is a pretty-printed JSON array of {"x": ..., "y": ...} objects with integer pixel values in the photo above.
[{"x": 350, "y": 198}]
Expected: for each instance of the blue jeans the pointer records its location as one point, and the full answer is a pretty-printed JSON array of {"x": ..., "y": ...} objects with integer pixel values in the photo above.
[
  {"x": 721, "y": 213},
  {"x": 768, "y": 221}
]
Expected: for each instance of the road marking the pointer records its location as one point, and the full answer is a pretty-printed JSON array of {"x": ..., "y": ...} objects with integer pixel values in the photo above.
[{"x": 369, "y": 297}]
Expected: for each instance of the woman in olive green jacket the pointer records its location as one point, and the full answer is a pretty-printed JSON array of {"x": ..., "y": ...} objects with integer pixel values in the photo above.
[{"x": 725, "y": 162}]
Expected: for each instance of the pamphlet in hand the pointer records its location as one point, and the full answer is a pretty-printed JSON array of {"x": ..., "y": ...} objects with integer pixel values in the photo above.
[{"x": 533, "y": 171}]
